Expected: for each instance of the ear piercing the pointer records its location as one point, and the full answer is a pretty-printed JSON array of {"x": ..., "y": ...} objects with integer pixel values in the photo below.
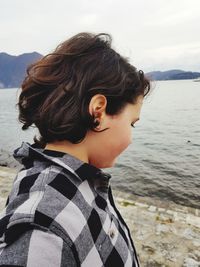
[{"x": 97, "y": 121}]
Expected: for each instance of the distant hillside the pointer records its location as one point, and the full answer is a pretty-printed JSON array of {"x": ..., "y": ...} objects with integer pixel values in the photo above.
[
  {"x": 13, "y": 68},
  {"x": 173, "y": 75}
]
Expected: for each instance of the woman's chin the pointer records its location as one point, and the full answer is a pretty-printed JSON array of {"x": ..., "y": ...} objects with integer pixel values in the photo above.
[{"x": 107, "y": 165}]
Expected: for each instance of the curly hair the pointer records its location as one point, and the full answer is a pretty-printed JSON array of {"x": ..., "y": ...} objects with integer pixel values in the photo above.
[{"x": 57, "y": 89}]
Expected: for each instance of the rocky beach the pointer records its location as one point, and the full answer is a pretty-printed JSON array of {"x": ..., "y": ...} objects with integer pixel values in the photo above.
[{"x": 165, "y": 234}]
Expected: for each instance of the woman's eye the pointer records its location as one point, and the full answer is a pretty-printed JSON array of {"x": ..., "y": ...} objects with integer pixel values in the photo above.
[{"x": 132, "y": 124}]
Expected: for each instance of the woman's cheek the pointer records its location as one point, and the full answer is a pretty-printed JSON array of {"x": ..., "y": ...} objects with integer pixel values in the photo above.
[{"x": 121, "y": 146}]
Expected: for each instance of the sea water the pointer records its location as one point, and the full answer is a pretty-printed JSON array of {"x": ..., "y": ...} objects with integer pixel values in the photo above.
[{"x": 163, "y": 160}]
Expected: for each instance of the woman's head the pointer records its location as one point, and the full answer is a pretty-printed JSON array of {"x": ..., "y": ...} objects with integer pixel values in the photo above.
[{"x": 58, "y": 89}]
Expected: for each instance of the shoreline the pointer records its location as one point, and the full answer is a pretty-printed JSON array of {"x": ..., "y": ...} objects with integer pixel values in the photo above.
[
  {"x": 183, "y": 197},
  {"x": 123, "y": 197},
  {"x": 164, "y": 233}
]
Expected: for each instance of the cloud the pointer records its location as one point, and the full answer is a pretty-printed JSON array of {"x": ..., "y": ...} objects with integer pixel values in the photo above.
[{"x": 153, "y": 34}]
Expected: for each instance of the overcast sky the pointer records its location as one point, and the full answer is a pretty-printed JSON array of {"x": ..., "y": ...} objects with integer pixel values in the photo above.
[{"x": 154, "y": 34}]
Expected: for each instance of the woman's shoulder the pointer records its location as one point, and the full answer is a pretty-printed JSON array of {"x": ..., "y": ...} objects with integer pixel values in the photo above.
[{"x": 36, "y": 247}]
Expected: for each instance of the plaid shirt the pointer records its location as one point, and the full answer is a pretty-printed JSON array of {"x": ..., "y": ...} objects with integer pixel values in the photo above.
[{"x": 61, "y": 212}]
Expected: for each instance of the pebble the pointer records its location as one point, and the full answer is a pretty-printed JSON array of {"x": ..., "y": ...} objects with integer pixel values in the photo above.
[
  {"x": 189, "y": 262},
  {"x": 189, "y": 233},
  {"x": 152, "y": 208},
  {"x": 142, "y": 205},
  {"x": 193, "y": 220},
  {"x": 161, "y": 209},
  {"x": 162, "y": 228}
]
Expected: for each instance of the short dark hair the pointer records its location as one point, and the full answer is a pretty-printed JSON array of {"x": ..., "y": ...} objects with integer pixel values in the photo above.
[{"x": 57, "y": 89}]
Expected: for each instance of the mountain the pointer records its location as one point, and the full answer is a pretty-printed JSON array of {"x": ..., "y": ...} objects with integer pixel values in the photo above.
[
  {"x": 13, "y": 68},
  {"x": 172, "y": 75}
]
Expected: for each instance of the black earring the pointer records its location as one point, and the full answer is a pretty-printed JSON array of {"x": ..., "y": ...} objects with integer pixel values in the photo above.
[{"x": 96, "y": 122}]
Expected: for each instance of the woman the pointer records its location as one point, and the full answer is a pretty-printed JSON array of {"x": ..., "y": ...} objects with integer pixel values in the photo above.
[{"x": 83, "y": 98}]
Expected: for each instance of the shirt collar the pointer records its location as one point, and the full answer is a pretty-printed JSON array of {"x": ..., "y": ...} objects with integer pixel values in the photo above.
[{"x": 82, "y": 170}]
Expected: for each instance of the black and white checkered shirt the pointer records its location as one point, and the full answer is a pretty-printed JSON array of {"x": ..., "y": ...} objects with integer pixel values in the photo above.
[{"x": 61, "y": 212}]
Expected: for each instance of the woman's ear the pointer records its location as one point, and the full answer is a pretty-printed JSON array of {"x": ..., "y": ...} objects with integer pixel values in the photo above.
[{"x": 97, "y": 106}]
